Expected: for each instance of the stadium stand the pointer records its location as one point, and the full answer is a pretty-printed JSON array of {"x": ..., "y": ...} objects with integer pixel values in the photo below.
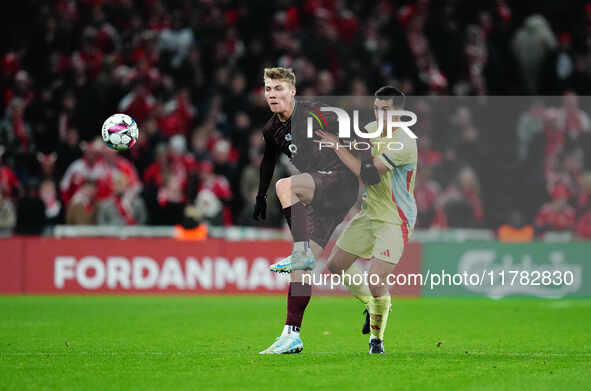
[{"x": 190, "y": 73}]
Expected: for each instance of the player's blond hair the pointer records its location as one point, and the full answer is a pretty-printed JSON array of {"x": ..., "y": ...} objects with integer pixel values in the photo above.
[{"x": 281, "y": 74}]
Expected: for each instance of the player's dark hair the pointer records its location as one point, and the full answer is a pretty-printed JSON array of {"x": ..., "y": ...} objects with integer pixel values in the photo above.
[{"x": 391, "y": 92}]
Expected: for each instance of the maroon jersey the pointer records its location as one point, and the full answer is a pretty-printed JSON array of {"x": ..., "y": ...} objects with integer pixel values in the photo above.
[{"x": 292, "y": 140}]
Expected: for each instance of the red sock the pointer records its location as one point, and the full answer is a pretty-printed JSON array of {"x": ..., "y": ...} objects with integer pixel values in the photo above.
[{"x": 298, "y": 298}]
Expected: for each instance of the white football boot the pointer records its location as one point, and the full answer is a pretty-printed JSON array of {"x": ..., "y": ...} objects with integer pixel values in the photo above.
[
  {"x": 285, "y": 344},
  {"x": 298, "y": 260}
]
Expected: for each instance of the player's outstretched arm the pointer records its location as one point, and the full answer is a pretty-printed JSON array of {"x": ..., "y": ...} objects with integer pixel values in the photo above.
[
  {"x": 369, "y": 171},
  {"x": 267, "y": 168}
]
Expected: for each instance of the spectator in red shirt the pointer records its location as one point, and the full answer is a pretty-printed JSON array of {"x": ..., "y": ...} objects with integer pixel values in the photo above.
[
  {"x": 166, "y": 181},
  {"x": 554, "y": 139},
  {"x": 171, "y": 160},
  {"x": 470, "y": 189},
  {"x": 21, "y": 89},
  {"x": 156, "y": 172},
  {"x": 10, "y": 186},
  {"x": 218, "y": 186},
  {"x": 83, "y": 206},
  {"x": 15, "y": 131},
  {"x": 138, "y": 103},
  {"x": 460, "y": 202},
  {"x": 428, "y": 156},
  {"x": 53, "y": 206},
  {"x": 91, "y": 167},
  {"x": 170, "y": 202},
  {"x": 584, "y": 199},
  {"x": 556, "y": 215},
  {"x": 571, "y": 118},
  {"x": 426, "y": 191},
  {"x": 89, "y": 56},
  {"x": 118, "y": 165},
  {"x": 124, "y": 207},
  {"x": 583, "y": 227},
  {"x": 177, "y": 114}
]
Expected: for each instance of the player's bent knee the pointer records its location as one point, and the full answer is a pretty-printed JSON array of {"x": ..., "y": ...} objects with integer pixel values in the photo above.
[
  {"x": 303, "y": 184},
  {"x": 303, "y": 181},
  {"x": 282, "y": 185}
]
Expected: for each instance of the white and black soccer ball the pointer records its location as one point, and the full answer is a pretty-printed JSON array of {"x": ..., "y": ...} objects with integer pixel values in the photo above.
[{"x": 120, "y": 132}]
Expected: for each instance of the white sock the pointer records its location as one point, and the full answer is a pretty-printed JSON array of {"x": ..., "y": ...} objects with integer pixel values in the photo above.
[
  {"x": 302, "y": 246},
  {"x": 293, "y": 330}
]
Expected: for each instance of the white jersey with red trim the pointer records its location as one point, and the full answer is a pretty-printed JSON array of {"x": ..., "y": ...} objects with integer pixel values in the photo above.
[{"x": 392, "y": 200}]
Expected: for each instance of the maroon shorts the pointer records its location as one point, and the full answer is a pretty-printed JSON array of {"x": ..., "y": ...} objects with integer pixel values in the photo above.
[{"x": 334, "y": 195}]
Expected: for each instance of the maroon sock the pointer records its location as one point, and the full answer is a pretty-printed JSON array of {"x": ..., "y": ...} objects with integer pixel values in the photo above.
[
  {"x": 297, "y": 219},
  {"x": 298, "y": 298},
  {"x": 287, "y": 214}
]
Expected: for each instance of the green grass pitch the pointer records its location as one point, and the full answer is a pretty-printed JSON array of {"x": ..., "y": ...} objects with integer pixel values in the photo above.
[{"x": 197, "y": 343}]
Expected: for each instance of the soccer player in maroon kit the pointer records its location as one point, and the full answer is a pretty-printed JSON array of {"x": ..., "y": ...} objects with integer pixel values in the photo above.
[{"x": 314, "y": 202}]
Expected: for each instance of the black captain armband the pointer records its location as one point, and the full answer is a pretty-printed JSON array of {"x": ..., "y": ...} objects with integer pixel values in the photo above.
[{"x": 369, "y": 173}]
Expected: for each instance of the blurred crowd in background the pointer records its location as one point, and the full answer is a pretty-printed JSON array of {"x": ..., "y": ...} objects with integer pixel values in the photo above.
[{"x": 190, "y": 73}]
